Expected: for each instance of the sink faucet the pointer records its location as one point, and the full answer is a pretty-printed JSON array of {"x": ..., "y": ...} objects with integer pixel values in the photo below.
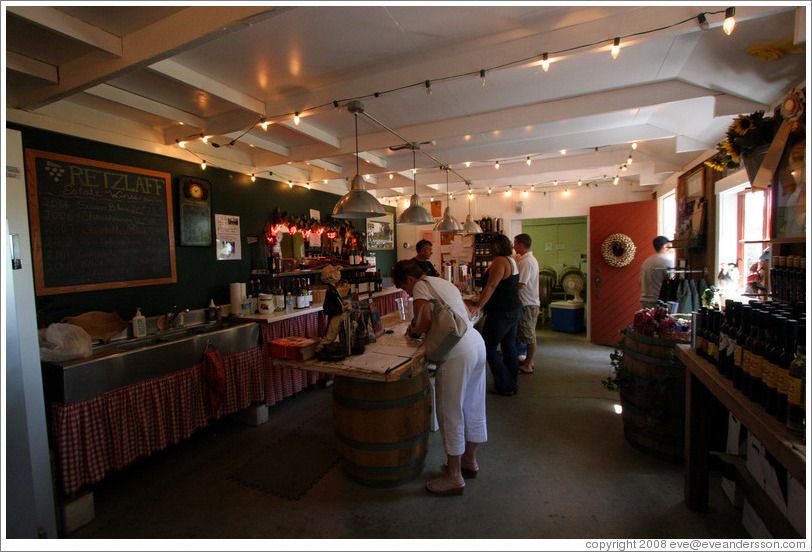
[{"x": 174, "y": 318}]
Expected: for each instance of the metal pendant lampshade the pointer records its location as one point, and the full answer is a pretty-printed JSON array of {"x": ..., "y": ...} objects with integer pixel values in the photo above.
[
  {"x": 358, "y": 202},
  {"x": 447, "y": 223},
  {"x": 470, "y": 226},
  {"x": 415, "y": 214}
]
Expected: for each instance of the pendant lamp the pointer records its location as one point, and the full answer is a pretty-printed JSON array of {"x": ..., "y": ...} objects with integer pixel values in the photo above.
[
  {"x": 357, "y": 203},
  {"x": 470, "y": 226},
  {"x": 415, "y": 214},
  {"x": 447, "y": 223}
]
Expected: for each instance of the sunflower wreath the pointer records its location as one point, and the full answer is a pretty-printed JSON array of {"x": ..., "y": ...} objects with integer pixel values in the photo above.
[{"x": 618, "y": 250}]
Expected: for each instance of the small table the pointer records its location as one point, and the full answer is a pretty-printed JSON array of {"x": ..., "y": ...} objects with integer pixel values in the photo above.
[{"x": 382, "y": 420}]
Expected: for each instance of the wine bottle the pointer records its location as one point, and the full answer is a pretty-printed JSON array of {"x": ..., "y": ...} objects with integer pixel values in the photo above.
[
  {"x": 796, "y": 390},
  {"x": 749, "y": 356},
  {"x": 713, "y": 338},
  {"x": 785, "y": 358},
  {"x": 756, "y": 365},
  {"x": 769, "y": 397},
  {"x": 741, "y": 337}
]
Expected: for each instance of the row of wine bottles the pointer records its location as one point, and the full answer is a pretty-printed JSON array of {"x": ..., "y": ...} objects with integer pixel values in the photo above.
[
  {"x": 761, "y": 347},
  {"x": 788, "y": 278}
]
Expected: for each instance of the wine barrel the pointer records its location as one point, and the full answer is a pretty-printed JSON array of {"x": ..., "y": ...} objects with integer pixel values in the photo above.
[
  {"x": 382, "y": 428},
  {"x": 653, "y": 398}
]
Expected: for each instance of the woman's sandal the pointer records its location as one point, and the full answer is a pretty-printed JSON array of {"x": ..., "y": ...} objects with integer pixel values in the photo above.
[
  {"x": 525, "y": 371},
  {"x": 440, "y": 487}
]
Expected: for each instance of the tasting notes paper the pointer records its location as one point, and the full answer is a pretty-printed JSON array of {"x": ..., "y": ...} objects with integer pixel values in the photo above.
[{"x": 381, "y": 358}]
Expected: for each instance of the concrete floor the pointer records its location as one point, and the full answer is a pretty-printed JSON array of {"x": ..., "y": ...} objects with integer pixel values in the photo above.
[{"x": 556, "y": 467}]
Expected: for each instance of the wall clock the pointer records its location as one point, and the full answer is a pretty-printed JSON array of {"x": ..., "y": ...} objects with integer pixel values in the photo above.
[{"x": 194, "y": 208}]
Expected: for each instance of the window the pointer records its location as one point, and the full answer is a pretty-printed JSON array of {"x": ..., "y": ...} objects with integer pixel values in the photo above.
[{"x": 668, "y": 214}]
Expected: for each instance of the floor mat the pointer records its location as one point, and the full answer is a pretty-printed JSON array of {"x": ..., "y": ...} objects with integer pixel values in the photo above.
[{"x": 291, "y": 465}]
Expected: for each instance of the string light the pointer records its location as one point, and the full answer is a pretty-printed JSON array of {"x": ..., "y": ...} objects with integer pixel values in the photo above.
[
  {"x": 290, "y": 183},
  {"x": 730, "y": 21},
  {"x": 391, "y": 176},
  {"x": 634, "y": 145},
  {"x": 545, "y": 62},
  {"x": 296, "y": 118},
  {"x": 264, "y": 125},
  {"x": 182, "y": 143},
  {"x": 555, "y": 182},
  {"x": 624, "y": 167},
  {"x": 580, "y": 182},
  {"x": 203, "y": 165},
  {"x": 703, "y": 21},
  {"x": 616, "y": 47},
  {"x": 508, "y": 191},
  {"x": 253, "y": 177},
  {"x": 566, "y": 192},
  {"x": 428, "y": 87},
  {"x": 307, "y": 185},
  {"x": 533, "y": 188},
  {"x": 563, "y": 152},
  {"x": 629, "y": 160},
  {"x": 496, "y": 166},
  {"x": 524, "y": 193},
  {"x": 489, "y": 190},
  {"x": 467, "y": 163},
  {"x": 529, "y": 161},
  {"x": 482, "y": 76},
  {"x": 616, "y": 180},
  {"x": 205, "y": 139}
]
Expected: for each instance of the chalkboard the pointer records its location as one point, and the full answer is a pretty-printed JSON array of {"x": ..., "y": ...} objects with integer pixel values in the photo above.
[{"x": 97, "y": 225}]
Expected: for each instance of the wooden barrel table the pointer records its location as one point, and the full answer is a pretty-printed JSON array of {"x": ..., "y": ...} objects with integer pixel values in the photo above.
[
  {"x": 382, "y": 428},
  {"x": 653, "y": 398}
]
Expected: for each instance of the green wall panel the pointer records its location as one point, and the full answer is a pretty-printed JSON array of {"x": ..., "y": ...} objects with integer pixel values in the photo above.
[{"x": 200, "y": 276}]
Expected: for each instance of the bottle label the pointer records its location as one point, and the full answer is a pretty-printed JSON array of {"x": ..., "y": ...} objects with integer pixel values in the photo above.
[
  {"x": 731, "y": 347},
  {"x": 747, "y": 362},
  {"x": 713, "y": 351},
  {"x": 754, "y": 365},
  {"x": 737, "y": 356},
  {"x": 769, "y": 374},
  {"x": 700, "y": 343},
  {"x": 782, "y": 380},
  {"x": 795, "y": 388},
  {"x": 723, "y": 342}
]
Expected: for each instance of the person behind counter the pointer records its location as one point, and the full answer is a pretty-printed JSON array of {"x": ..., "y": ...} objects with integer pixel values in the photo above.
[
  {"x": 424, "y": 249},
  {"x": 460, "y": 379},
  {"x": 651, "y": 273},
  {"x": 500, "y": 299}
]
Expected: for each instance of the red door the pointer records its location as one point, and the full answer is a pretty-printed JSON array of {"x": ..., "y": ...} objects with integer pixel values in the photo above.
[{"x": 617, "y": 296}]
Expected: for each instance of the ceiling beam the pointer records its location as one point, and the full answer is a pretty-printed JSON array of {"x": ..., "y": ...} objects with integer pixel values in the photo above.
[
  {"x": 313, "y": 132},
  {"x": 326, "y": 165},
  {"x": 145, "y": 104},
  {"x": 177, "y": 33},
  {"x": 31, "y": 67},
  {"x": 178, "y": 72},
  {"x": 71, "y": 27},
  {"x": 373, "y": 159}
]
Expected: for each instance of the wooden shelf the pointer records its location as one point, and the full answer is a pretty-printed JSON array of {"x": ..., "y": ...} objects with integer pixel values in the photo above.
[{"x": 788, "y": 240}]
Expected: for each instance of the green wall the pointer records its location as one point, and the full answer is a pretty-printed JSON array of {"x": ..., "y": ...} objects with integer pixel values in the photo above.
[
  {"x": 200, "y": 276},
  {"x": 565, "y": 236}
]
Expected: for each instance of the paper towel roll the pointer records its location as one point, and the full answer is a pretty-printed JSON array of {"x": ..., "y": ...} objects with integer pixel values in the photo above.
[{"x": 236, "y": 297}]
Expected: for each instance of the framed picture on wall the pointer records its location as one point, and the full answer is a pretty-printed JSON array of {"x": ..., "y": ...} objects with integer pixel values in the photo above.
[
  {"x": 381, "y": 232},
  {"x": 695, "y": 183}
]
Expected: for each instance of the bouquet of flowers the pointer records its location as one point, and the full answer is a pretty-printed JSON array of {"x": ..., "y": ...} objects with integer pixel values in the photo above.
[
  {"x": 657, "y": 322},
  {"x": 745, "y": 134}
]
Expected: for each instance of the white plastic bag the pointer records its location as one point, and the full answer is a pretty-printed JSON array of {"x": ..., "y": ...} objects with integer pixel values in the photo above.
[{"x": 61, "y": 342}]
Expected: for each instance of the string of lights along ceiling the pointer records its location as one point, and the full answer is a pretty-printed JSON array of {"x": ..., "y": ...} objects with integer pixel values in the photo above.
[{"x": 544, "y": 59}]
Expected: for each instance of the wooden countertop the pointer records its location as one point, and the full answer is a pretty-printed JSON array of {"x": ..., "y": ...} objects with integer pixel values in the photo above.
[{"x": 411, "y": 367}]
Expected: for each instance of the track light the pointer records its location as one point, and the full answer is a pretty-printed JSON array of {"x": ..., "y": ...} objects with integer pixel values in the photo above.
[
  {"x": 730, "y": 21},
  {"x": 545, "y": 62},
  {"x": 529, "y": 161},
  {"x": 703, "y": 21},
  {"x": 203, "y": 165},
  {"x": 296, "y": 118}
]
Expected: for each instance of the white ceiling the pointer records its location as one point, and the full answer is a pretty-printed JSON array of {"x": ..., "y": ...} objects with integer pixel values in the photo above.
[{"x": 130, "y": 75}]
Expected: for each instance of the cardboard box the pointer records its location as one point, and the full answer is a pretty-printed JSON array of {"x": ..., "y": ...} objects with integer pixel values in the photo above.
[
  {"x": 736, "y": 437},
  {"x": 293, "y": 348},
  {"x": 753, "y": 524},
  {"x": 756, "y": 459},
  {"x": 796, "y": 505}
]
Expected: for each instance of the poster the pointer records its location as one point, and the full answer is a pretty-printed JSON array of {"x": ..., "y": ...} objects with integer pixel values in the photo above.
[
  {"x": 227, "y": 230},
  {"x": 381, "y": 232}
]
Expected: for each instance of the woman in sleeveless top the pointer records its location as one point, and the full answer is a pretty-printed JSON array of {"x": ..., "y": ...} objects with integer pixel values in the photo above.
[{"x": 500, "y": 302}]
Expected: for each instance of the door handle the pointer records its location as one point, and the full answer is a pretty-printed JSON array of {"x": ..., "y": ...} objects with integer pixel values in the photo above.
[{"x": 597, "y": 284}]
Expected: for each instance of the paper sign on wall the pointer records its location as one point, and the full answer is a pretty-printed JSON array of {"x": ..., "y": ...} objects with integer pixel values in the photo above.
[{"x": 228, "y": 241}]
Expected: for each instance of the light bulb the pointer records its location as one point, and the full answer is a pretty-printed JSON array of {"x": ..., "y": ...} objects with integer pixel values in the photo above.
[
  {"x": 563, "y": 152},
  {"x": 507, "y": 192},
  {"x": 489, "y": 191},
  {"x": 703, "y": 21},
  {"x": 296, "y": 118},
  {"x": 470, "y": 194},
  {"x": 450, "y": 196},
  {"x": 555, "y": 182},
  {"x": 580, "y": 182},
  {"x": 616, "y": 47},
  {"x": 629, "y": 160},
  {"x": 253, "y": 178},
  {"x": 391, "y": 176},
  {"x": 624, "y": 167},
  {"x": 634, "y": 145},
  {"x": 524, "y": 193},
  {"x": 616, "y": 180},
  {"x": 414, "y": 171},
  {"x": 264, "y": 125},
  {"x": 205, "y": 139},
  {"x": 566, "y": 192},
  {"x": 428, "y": 87},
  {"x": 529, "y": 161},
  {"x": 482, "y": 76},
  {"x": 182, "y": 144},
  {"x": 730, "y": 21},
  {"x": 290, "y": 183},
  {"x": 467, "y": 163},
  {"x": 545, "y": 62},
  {"x": 307, "y": 185},
  {"x": 431, "y": 199},
  {"x": 203, "y": 165},
  {"x": 496, "y": 166},
  {"x": 533, "y": 188}
]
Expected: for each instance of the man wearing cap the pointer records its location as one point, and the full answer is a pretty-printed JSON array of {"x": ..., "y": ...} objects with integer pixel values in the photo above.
[{"x": 651, "y": 273}]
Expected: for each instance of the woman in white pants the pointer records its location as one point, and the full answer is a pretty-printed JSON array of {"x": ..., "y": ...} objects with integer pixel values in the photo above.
[{"x": 460, "y": 380}]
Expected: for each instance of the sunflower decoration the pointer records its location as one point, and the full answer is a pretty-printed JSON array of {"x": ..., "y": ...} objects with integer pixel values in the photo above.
[{"x": 746, "y": 133}]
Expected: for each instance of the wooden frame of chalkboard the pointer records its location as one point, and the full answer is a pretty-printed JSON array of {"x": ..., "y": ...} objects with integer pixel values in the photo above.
[{"x": 97, "y": 225}]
